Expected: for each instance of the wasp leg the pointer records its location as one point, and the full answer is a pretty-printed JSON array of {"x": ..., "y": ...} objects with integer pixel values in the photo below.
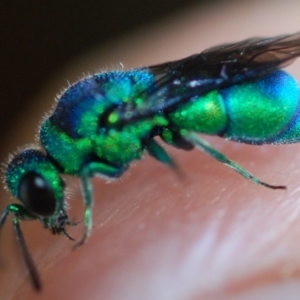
[
  {"x": 159, "y": 153},
  {"x": 87, "y": 191},
  {"x": 207, "y": 148},
  {"x": 20, "y": 212}
]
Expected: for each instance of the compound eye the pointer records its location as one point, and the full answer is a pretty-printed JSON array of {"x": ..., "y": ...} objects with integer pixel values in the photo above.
[{"x": 37, "y": 195}]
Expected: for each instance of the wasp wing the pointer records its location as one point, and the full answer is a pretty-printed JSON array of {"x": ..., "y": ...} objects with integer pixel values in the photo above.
[{"x": 215, "y": 68}]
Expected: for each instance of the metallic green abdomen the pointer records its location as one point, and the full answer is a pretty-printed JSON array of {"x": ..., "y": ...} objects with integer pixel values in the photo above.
[
  {"x": 255, "y": 112},
  {"x": 205, "y": 114}
]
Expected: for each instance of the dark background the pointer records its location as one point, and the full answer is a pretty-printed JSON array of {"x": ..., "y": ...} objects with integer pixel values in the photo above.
[{"x": 39, "y": 37}]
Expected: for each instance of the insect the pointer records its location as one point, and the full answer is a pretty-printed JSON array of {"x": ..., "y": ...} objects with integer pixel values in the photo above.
[{"x": 105, "y": 121}]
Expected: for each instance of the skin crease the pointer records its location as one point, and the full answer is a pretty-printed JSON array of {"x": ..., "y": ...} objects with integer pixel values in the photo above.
[{"x": 210, "y": 234}]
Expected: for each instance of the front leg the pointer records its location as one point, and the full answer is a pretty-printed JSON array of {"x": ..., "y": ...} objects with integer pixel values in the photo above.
[
  {"x": 87, "y": 191},
  {"x": 20, "y": 212}
]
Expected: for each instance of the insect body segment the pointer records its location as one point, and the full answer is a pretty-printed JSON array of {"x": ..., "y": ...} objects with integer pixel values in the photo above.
[
  {"x": 104, "y": 122},
  {"x": 82, "y": 128},
  {"x": 267, "y": 109},
  {"x": 257, "y": 112}
]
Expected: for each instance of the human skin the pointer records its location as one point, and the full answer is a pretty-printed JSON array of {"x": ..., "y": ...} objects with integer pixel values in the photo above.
[{"x": 210, "y": 234}]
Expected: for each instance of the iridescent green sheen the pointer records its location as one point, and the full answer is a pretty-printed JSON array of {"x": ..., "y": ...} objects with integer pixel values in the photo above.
[
  {"x": 70, "y": 154},
  {"x": 292, "y": 134},
  {"x": 255, "y": 112},
  {"x": 34, "y": 160},
  {"x": 259, "y": 111},
  {"x": 91, "y": 135},
  {"x": 205, "y": 114},
  {"x": 121, "y": 147}
]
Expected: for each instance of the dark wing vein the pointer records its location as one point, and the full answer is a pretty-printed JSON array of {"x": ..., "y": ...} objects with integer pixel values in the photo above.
[{"x": 215, "y": 68}]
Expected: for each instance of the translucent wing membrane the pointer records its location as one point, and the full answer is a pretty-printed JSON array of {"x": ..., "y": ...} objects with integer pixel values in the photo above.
[{"x": 215, "y": 68}]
